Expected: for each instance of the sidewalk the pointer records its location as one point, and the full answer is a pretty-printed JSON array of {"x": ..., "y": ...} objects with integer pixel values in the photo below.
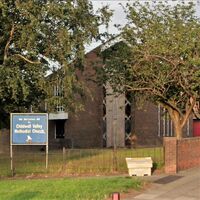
[{"x": 182, "y": 186}]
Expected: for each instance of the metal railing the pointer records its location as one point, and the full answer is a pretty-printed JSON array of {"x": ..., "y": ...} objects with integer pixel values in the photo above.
[{"x": 76, "y": 161}]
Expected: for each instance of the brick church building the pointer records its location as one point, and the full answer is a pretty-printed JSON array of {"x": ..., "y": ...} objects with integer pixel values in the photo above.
[{"x": 109, "y": 120}]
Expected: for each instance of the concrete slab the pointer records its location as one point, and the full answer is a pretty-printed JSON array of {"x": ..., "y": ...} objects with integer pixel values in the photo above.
[
  {"x": 146, "y": 196},
  {"x": 185, "y": 198}
]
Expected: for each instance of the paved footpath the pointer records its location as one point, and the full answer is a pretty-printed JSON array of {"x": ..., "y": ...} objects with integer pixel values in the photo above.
[{"x": 185, "y": 187}]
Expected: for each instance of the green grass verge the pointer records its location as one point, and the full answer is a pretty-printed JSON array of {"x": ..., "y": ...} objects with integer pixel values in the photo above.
[
  {"x": 72, "y": 189},
  {"x": 78, "y": 161}
]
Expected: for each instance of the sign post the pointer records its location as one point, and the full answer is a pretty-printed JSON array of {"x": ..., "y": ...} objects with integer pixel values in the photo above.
[{"x": 28, "y": 129}]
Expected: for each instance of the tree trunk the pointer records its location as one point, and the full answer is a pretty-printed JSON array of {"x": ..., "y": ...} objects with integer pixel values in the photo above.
[
  {"x": 178, "y": 128},
  {"x": 180, "y": 119}
]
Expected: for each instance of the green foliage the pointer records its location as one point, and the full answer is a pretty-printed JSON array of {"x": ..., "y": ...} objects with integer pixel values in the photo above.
[
  {"x": 36, "y": 35},
  {"x": 160, "y": 61}
]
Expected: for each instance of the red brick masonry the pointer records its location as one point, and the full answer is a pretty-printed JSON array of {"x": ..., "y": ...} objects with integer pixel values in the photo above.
[
  {"x": 170, "y": 145},
  {"x": 181, "y": 154},
  {"x": 188, "y": 153}
]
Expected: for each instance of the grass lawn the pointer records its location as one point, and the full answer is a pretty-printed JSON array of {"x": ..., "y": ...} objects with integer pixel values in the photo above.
[
  {"x": 77, "y": 161},
  {"x": 70, "y": 189}
]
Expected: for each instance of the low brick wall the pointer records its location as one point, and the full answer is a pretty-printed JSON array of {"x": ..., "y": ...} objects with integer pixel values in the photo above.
[
  {"x": 181, "y": 154},
  {"x": 188, "y": 155}
]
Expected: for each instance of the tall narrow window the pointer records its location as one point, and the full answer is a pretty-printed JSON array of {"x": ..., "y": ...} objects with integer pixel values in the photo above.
[
  {"x": 58, "y": 91},
  {"x": 165, "y": 125},
  {"x": 104, "y": 118},
  {"x": 128, "y": 118}
]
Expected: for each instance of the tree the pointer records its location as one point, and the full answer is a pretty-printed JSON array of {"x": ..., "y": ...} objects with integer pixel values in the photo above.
[
  {"x": 36, "y": 36},
  {"x": 160, "y": 58}
]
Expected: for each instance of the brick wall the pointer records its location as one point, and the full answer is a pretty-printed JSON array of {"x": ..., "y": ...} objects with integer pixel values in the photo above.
[
  {"x": 85, "y": 127},
  {"x": 170, "y": 145},
  {"x": 188, "y": 154},
  {"x": 181, "y": 154},
  {"x": 145, "y": 124}
]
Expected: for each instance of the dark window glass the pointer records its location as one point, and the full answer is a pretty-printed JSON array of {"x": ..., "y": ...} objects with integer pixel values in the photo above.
[{"x": 60, "y": 128}]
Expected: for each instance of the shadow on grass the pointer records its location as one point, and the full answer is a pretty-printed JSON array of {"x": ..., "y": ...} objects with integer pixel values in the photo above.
[{"x": 25, "y": 195}]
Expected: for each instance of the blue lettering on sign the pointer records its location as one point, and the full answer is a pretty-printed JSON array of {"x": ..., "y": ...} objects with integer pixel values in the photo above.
[{"x": 29, "y": 128}]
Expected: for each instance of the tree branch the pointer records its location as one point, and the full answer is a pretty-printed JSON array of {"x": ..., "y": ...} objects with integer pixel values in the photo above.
[
  {"x": 8, "y": 42},
  {"x": 188, "y": 112},
  {"x": 170, "y": 110},
  {"x": 173, "y": 107},
  {"x": 137, "y": 89},
  {"x": 185, "y": 89},
  {"x": 162, "y": 58},
  {"x": 27, "y": 60}
]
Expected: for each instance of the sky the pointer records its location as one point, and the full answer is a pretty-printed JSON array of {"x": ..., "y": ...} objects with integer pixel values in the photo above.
[
  {"x": 119, "y": 15},
  {"x": 117, "y": 18}
]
